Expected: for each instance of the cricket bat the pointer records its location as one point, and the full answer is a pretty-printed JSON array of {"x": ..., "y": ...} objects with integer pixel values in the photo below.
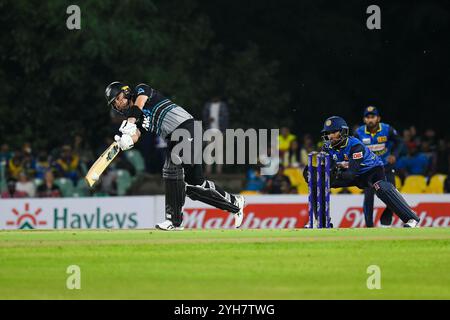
[{"x": 101, "y": 164}]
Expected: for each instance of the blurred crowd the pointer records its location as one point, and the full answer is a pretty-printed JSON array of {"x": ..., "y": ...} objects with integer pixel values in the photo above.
[
  {"x": 424, "y": 154},
  {"x": 26, "y": 172}
]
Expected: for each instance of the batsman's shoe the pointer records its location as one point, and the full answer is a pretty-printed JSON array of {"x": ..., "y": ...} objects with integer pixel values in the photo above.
[
  {"x": 411, "y": 224},
  {"x": 239, "y": 216},
  {"x": 168, "y": 226}
]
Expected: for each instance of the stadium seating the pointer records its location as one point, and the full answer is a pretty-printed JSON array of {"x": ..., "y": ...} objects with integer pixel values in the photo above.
[
  {"x": 249, "y": 192},
  {"x": 38, "y": 182},
  {"x": 136, "y": 159},
  {"x": 295, "y": 176},
  {"x": 414, "y": 184},
  {"x": 354, "y": 190},
  {"x": 66, "y": 186},
  {"x": 81, "y": 189},
  {"x": 336, "y": 190},
  {"x": 398, "y": 182},
  {"x": 123, "y": 181},
  {"x": 436, "y": 184},
  {"x": 302, "y": 188}
]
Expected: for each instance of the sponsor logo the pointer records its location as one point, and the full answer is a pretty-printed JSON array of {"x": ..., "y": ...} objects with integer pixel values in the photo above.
[
  {"x": 112, "y": 153},
  {"x": 256, "y": 216},
  {"x": 430, "y": 214},
  {"x": 146, "y": 123},
  {"x": 27, "y": 219},
  {"x": 377, "y": 147},
  {"x": 357, "y": 155},
  {"x": 366, "y": 140},
  {"x": 328, "y": 123},
  {"x": 63, "y": 219}
]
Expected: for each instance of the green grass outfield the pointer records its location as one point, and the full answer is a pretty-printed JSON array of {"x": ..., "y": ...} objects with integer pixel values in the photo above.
[{"x": 226, "y": 264}]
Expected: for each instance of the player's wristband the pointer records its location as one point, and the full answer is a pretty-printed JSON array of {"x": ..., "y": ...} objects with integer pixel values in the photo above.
[{"x": 134, "y": 112}]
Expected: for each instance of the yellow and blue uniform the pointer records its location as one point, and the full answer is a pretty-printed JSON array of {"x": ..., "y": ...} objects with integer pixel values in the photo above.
[
  {"x": 384, "y": 142},
  {"x": 354, "y": 164}
]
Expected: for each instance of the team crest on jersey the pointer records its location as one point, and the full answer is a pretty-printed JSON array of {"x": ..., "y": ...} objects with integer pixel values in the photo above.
[
  {"x": 357, "y": 155},
  {"x": 382, "y": 139},
  {"x": 345, "y": 157}
]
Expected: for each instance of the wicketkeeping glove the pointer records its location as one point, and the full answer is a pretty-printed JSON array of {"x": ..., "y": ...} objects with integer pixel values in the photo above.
[{"x": 125, "y": 142}]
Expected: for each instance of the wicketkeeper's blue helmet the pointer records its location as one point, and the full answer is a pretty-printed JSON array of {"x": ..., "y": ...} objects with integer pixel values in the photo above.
[{"x": 333, "y": 124}]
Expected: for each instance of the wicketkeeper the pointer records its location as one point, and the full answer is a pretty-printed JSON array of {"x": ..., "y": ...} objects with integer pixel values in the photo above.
[
  {"x": 149, "y": 111},
  {"x": 353, "y": 164}
]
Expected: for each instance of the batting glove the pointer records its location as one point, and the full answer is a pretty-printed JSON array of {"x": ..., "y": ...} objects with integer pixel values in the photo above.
[
  {"x": 128, "y": 128},
  {"x": 125, "y": 142}
]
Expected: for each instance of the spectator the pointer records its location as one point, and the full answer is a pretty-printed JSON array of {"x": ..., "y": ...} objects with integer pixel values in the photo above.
[
  {"x": 443, "y": 157},
  {"x": 415, "y": 163},
  {"x": 447, "y": 185},
  {"x": 292, "y": 157},
  {"x": 82, "y": 149},
  {"x": 15, "y": 165},
  {"x": 29, "y": 162},
  {"x": 42, "y": 164},
  {"x": 25, "y": 185},
  {"x": 278, "y": 184},
  {"x": 67, "y": 163},
  {"x": 284, "y": 140},
  {"x": 431, "y": 156},
  {"x": 5, "y": 153},
  {"x": 414, "y": 137},
  {"x": 215, "y": 117},
  {"x": 430, "y": 138},
  {"x": 308, "y": 147},
  {"x": 48, "y": 189},
  {"x": 255, "y": 182},
  {"x": 12, "y": 192}
]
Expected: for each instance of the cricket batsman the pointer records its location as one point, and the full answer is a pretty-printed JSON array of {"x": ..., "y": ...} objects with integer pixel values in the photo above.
[
  {"x": 146, "y": 111},
  {"x": 383, "y": 140},
  {"x": 353, "y": 164}
]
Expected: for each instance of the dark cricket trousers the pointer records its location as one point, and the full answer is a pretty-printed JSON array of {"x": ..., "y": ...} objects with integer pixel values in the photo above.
[{"x": 369, "y": 195}]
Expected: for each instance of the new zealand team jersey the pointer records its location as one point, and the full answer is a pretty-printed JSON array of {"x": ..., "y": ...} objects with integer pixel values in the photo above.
[
  {"x": 160, "y": 115},
  {"x": 383, "y": 142},
  {"x": 354, "y": 155}
]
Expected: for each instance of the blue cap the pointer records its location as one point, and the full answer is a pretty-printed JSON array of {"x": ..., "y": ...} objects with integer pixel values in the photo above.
[{"x": 371, "y": 110}]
